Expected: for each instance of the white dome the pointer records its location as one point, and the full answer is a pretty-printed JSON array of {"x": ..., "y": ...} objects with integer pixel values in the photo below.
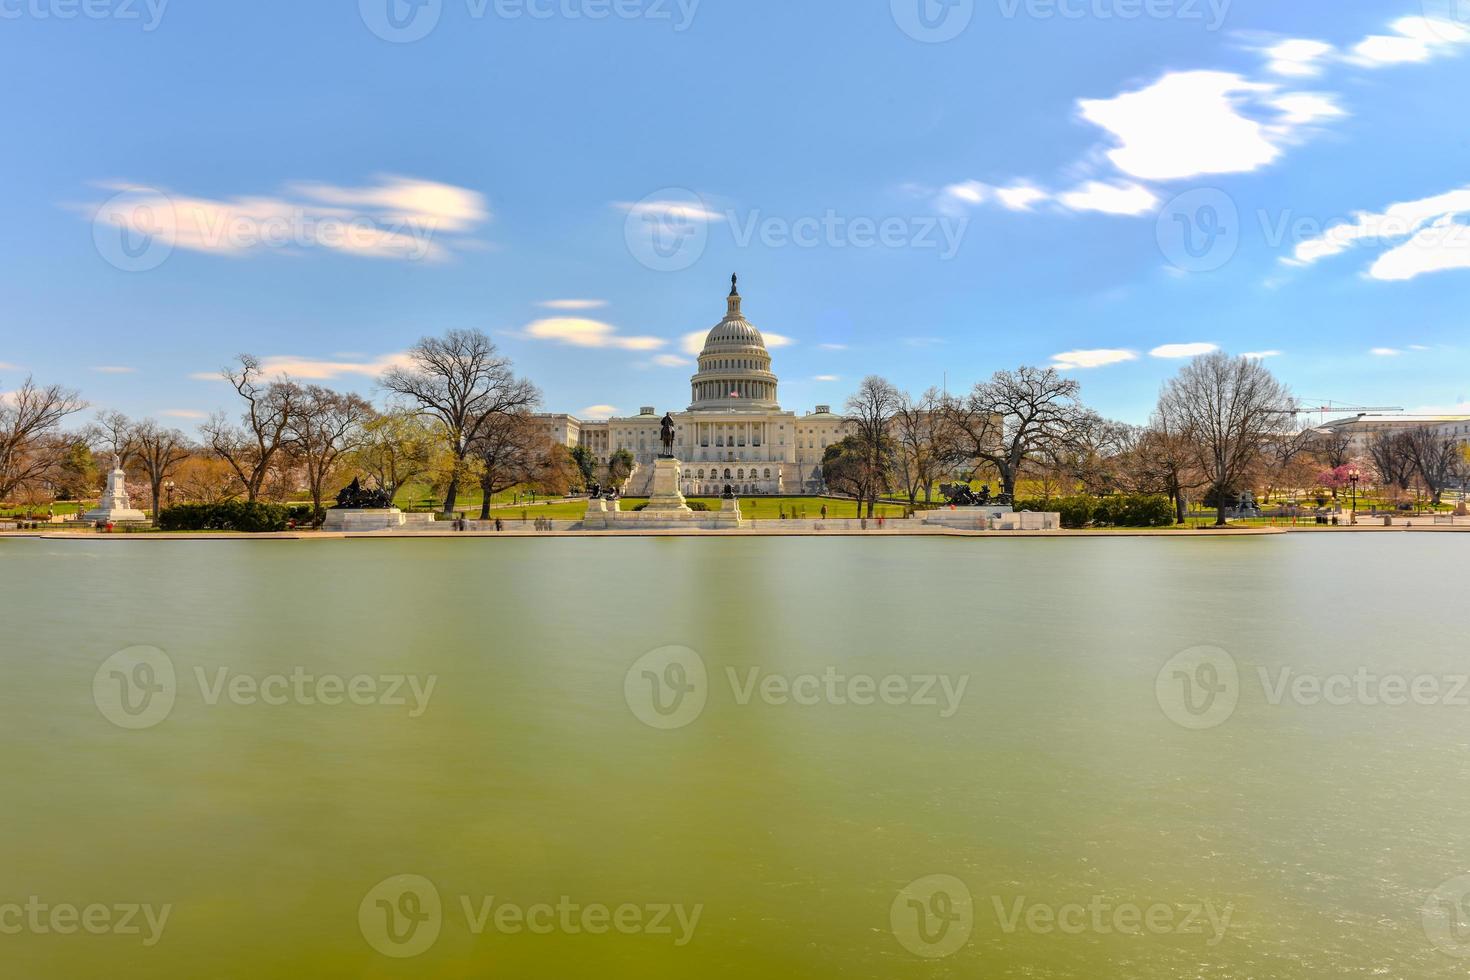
[{"x": 734, "y": 367}]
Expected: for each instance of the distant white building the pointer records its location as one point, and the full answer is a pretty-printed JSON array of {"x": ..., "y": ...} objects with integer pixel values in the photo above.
[
  {"x": 733, "y": 432},
  {"x": 1362, "y": 428}
]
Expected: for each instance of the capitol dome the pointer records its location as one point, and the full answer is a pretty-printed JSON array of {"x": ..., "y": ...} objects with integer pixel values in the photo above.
[{"x": 734, "y": 367}]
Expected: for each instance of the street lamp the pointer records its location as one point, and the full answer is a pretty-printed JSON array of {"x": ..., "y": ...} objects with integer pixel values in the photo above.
[{"x": 1353, "y": 477}]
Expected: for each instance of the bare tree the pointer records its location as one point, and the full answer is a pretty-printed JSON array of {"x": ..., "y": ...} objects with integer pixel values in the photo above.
[
  {"x": 113, "y": 434},
  {"x": 508, "y": 450},
  {"x": 207, "y": 479},
  {"x": 160, "y": 452},
  {"x": 30, "y": 418},
  {"x": 1017, "y": 417},
  {"x": 1228, "y": 408},
  {"x": 1436, "y": 457},
  {"x": 870, "y": 414},
  {"x": 1290, "y": 463},
  {"x": 925, "y": 444},
  {"x": 251, "y": 448},
  {"x": 461, "y": 380},
  {"x": 325, "y": 426},
  {"x": 1163, "y": 461},
  {"x": 1333, "y": 447},
  {"x": 847, "y": 468},
  {"x": 1390, "y": 454}
]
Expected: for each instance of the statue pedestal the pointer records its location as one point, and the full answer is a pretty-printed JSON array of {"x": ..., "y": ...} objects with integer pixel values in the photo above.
[
  {"x": 340, "y": 519},
  {"x": 666, "y": 498},
  {"x": 115, "y": 507}
]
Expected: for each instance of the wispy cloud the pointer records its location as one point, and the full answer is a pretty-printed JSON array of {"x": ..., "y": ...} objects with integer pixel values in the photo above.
[
  {"x": 573, "y": 305},
  {"x": 394, "y": 218},
  {"x": 313, "y": 369},
  {"x": 1425, "y": 235},
  {"x": 1175, "y": 351},
  {"x": 1081, "y": 360},
  {"x": 599, "y": 412},
  {"x": 113, "y": 369},
  {"x": 670, "y": 211},
  {"x": 832, "y": 346},
  {"x": 1124, "y": 198},
  {"x": 581, "y": 332},
  {"x": 671, "y": 361},
  {"x": 1261, "y": 355},
  {"x": 826, "y": 377},
  {"x": 183, "y": 413},
  {"x": 1385, "y": 352}
]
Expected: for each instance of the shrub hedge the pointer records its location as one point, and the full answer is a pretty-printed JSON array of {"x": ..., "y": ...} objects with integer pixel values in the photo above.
[
  {"x": 234, "y": 515},
  {"x": 1114, "y": 511}
]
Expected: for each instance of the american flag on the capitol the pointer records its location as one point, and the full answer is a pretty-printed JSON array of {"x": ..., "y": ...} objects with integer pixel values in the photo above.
[{"x": 734, "y": 394}]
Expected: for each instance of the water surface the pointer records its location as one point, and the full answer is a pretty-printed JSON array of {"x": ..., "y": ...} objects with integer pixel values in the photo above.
[{"x": 1058, "y": 780}]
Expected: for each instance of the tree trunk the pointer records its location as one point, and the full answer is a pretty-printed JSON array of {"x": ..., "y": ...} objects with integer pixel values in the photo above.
[
  {"x": 1181, "y": 507},
  {"x": 450, "y": 495}
]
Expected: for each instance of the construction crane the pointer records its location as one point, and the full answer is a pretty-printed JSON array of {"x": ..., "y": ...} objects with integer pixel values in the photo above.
[{"x": 1330, "y": 407}]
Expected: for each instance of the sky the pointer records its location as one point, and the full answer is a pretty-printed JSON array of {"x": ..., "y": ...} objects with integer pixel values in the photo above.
[{"x": 930, "y": 190}]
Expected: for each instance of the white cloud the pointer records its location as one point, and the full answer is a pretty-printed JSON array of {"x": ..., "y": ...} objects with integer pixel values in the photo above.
[
  {"x": 1415, "y": 40},
  {"x": 671, "y": 210},
  {"x": 1385, "y": 352},
  {"x": 826, "y": 377},
  {"x": 776, "y": 339},
  {"x": 183, "y": 413},
  {"x": 970, "y": 192},
  {"x": 1435, "y": 242},
  {"x": 9, "y": 367},
  {"x": 114, "y": 369},
  {"x": 1020, "y": 197},
  {"x": 1127, "y": 199},
  {"x": 1441, "y": 247},
  {"x": 1261, "y": 355},
  {"x": 310, "y": 369},
  {"x": 1183, "y": 125},
  {"x": 580, "y": 332},
  {"x": 1298, "y": 57},
  {"x": 1172, "y": 351},
  {"x": 1304, "y": 108},
  {"x": 692, "y": 343},
  {"x": 1074, "y": 360},
  {"x": 573, "y": 305},
  {"x": 671, "y": 361},
  {"x": 396, "y": 218},
  {"x": 832, "y": 346},
  {"x": 598, "y": 412}
]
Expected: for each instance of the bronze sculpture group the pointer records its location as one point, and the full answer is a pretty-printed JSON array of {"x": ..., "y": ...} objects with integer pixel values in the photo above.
[{"x": 962, "y": 495}]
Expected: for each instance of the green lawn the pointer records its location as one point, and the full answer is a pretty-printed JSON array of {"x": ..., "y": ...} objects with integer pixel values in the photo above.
[{"x": 751, "y": 508}]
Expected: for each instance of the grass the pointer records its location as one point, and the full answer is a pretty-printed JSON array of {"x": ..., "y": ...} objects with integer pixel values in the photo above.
[{"x": 751, "y": 508}]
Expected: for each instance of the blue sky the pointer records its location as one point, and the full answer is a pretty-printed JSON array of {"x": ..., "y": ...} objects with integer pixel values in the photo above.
[{"x": 1107, "y": 185}]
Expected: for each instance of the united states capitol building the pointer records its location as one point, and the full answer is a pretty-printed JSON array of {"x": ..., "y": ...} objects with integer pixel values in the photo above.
[{"x": 733, "y": 432}]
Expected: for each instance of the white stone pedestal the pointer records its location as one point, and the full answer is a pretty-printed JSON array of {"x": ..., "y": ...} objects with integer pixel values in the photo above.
[
  {"x": 666, "y": 498},
  {"x": 338, "y": 519},
  {"x": 115, "y": 507}
]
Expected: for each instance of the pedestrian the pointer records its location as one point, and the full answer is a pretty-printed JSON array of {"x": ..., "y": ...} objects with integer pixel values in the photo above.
[{"x": 824, "y": 512}]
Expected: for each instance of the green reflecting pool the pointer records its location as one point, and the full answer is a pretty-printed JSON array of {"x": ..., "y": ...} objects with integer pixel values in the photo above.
[{"x": 735, "y": 758}]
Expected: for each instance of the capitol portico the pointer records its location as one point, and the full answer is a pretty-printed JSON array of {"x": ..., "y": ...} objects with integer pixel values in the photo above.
[{"x": 734, "y": 430}]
